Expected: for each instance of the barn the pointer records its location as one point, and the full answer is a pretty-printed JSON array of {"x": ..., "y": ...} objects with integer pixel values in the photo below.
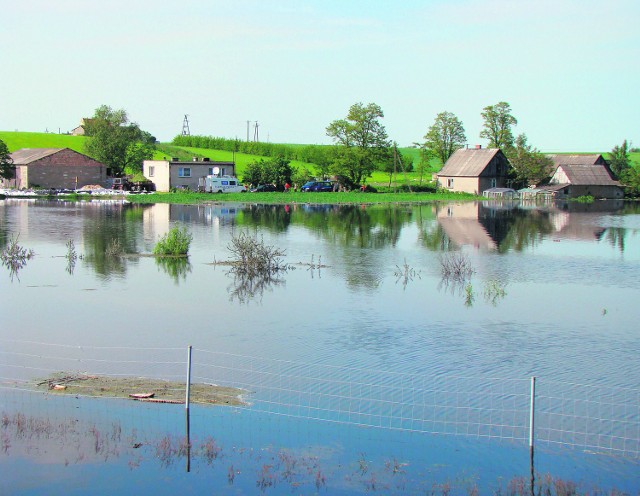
[{"x": 59, "y": 168}]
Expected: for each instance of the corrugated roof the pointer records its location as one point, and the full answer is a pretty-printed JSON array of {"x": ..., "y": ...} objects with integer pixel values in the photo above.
[
  {"x": 27, "y": 155},
  {"x": 561, "y": 159},
  {"x": 589, "y": 175},
  {"x": 468, "y": 162}
]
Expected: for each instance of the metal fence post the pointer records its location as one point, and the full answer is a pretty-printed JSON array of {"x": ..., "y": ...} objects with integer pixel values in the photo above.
[{"x": 186, "y": 401}]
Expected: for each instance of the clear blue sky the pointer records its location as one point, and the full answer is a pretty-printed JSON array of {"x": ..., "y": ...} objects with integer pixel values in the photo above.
[{"x": 569, "y": 68}]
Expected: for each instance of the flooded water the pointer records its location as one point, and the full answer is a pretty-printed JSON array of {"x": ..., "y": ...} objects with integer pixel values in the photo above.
[{"x": 359, "y": 332}]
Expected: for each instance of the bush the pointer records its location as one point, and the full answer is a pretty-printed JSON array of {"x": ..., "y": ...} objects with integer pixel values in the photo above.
[{"x": 175, "y": 243}]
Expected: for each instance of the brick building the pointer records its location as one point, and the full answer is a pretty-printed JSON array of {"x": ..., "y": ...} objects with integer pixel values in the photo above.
[{"x": 60, "y": 168}]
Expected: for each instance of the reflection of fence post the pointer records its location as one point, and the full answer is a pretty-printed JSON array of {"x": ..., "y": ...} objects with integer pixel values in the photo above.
[
  {"x": 532, "y": 419},
  {"x": 186, "y": 408},
  {"x": 532, "y": 409}
]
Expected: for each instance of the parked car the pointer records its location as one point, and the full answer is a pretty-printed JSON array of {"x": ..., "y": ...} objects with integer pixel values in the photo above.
[
  {"x": 263, "y": 188},
  {"x": 317, "y": 186}
]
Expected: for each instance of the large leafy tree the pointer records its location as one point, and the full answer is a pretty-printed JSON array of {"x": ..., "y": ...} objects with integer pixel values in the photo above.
[
  {"x": 275, "y": 171},
  {"x": 7, "y": 169},
  {"x": 619, "y": 158},
  {"x": 445, "y": 136},
  {"x": 362, "y": 143},
  {"x": 497, "y": 126},
  {"x": 528, "y": 165},
  {"x": 116, "y": 142}
]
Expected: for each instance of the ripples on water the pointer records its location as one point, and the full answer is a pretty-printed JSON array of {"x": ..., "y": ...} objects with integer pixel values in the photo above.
[{"x": 568, "y": 313}]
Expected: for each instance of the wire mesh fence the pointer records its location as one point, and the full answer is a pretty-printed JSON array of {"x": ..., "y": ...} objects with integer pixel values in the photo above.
[{"x": 589, "y": 417}]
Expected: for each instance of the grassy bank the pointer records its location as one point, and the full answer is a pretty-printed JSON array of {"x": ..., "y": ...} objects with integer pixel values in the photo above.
[{"x": 186, "y": 198}]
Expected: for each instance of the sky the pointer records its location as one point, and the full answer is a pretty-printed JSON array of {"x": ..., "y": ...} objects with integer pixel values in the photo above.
[{"x": 570, "y": 69}]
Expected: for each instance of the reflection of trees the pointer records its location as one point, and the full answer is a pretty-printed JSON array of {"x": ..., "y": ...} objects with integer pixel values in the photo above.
[
  {"x": 344, "y": 226},
  {"x": 176, "y": 267},
  {"x": 524, "y": 229},
  {"x": 615, "y": 236},
  {"x": 353, "y": 226},
  {"x": 120, "y": 223},
  {"x": 246, "y": 287},
  {"x": 430, "y": 231},
  {"x": 274, "y": 217}
]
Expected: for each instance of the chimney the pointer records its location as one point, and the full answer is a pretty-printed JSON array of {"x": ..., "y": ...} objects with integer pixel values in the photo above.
[{"x": 478, "y": 147}]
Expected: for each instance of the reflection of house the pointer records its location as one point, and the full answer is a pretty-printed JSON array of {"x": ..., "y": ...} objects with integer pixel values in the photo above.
[
  {"x": 475, "y": 224},
  {"x": 168, "y": 174},
  {"x": 55, "y": 168},
  {"x": 474, "y": 170}
]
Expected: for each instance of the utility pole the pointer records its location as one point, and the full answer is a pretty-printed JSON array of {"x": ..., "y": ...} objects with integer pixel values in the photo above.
[{"x": 185, "y": 126}]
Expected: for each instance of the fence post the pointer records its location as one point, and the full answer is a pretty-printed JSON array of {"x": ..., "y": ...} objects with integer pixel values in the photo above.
[
  {"x": 532, "y": 410},
  {"x": 186, "y": 401}
]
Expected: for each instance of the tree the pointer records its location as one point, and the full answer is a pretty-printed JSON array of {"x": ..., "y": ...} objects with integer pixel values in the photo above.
[
  {"x": 117, "y": 143},
  {"x": 445, "y": 136},
  {"x": 619, "y": 158},
  {"x": 7, "y": 169},
  {"x": 528, "y": 165},
  {"x": 498, "y": 122},
  {"x": 253, "y": 173},
  {"x": 630, "y": 179},
  {"x": 362, "y": 140},
  {"x": 277, "y": 171}
]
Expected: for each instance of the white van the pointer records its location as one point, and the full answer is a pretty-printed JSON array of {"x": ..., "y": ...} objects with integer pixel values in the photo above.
[{"x": 223, "y": 184}]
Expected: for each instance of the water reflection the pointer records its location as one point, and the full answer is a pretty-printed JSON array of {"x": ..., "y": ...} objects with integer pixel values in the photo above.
[
  {"x": 176, "y": 268},
  {"x": 246, "y": 287},
  {"x": 353, "y": 234},
  {"x": 503, "y": 227}
]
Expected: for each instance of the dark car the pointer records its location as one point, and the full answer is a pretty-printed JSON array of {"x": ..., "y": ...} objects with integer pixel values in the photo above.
[
  {"x": 317, "y": 186},
  {"x": 263, "y": 188}
]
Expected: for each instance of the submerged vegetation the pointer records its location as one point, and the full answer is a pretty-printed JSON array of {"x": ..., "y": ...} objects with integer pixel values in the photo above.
[
  {"x": 15, "y": 257},
  {"x": 175, "y": 243},
  {"x": 252, "y": 257},
  {"x": 456, "y": 267}
]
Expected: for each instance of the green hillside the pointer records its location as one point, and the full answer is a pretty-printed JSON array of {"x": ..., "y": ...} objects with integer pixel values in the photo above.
[{"x": 17, "y": 140}]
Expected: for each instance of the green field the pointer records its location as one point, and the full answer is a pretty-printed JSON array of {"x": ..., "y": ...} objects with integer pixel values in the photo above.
[{"x": 17, "y": 140}]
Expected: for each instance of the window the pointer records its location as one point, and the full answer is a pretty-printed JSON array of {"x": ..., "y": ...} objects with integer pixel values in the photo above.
[
  {"x": 450, "y": 183},
  {"x": 184, "y": 171},
  {"x": 211, "y": 171},
  {"x": 493, "y": 182},
  {"x": 152, "y": 170}
]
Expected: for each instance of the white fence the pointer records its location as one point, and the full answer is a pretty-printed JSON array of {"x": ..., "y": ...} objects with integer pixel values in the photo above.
[{"x": 588, "y": 417}]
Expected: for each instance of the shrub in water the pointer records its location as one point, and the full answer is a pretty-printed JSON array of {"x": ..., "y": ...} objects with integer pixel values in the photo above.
[{"x": 176, "y": 242}]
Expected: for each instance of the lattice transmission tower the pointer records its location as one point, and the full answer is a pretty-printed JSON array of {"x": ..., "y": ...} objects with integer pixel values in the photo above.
[{"x": 185, "y": 126}]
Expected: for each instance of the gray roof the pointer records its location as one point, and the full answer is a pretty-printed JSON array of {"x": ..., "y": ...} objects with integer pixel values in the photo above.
[
  {"x": 589, "y": 175},
  {"x": 562, "y": 159},
  {"x": 468, "y": 162},
  {"x": 27, "y": 155}
]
